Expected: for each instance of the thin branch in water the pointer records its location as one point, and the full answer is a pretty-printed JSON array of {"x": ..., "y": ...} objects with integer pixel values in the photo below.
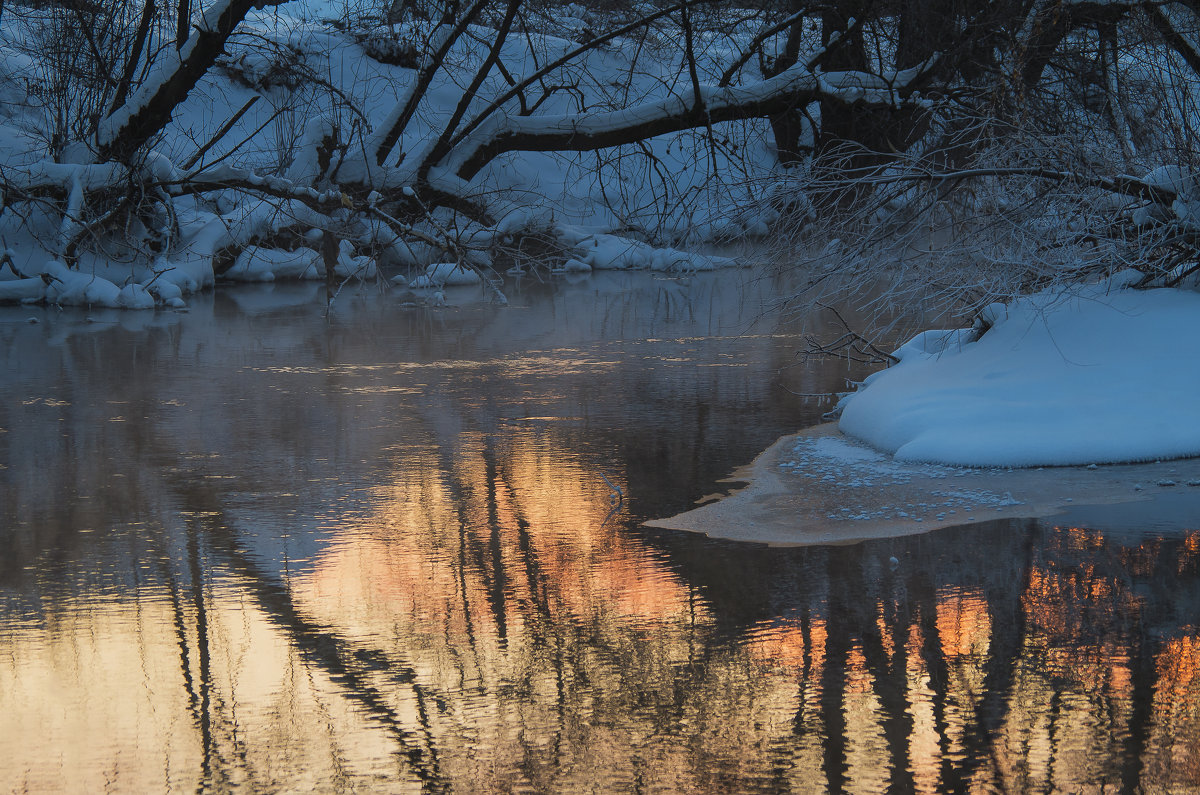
[
  {"x": 851, "y": 345},
  {"x": 616, "y": 499}
]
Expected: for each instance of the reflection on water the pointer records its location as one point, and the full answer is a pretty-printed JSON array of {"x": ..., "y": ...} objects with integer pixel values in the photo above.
[{"x": 251, "y": 546}]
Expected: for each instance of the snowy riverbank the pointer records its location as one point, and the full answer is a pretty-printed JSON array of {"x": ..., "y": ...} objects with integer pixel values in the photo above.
[
  {"x": 1049, "y": 409},
  {"x": 1090, "y": 375}
]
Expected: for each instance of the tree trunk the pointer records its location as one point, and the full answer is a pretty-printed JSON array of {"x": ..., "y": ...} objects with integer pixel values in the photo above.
[
  {"x": 183, "y": 23},
  {"x": 149, "y": 109}
]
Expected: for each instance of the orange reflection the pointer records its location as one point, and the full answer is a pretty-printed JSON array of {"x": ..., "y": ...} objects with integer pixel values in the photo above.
[
  {"x": 473, "y": 572},
  {"x": 924, "y": 746},
  {"x": 1175, "y": 755},
  {"x": 868, "y": 764},
  {"x": 119, "y": 694},
  {"x": 485, "y": 625},
  {"x": 429, "y": 551},
  {"x": 963, "y": 623},
  {"x": 783, "y": 644}
]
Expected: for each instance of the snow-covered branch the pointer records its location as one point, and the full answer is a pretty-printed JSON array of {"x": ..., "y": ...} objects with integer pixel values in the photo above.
[
  {"x": 682, "y": 111},
  {"x": 130, "y": 126},
  {"x": 45, "y": 176},
  {"x": 1121, "y": 184}
]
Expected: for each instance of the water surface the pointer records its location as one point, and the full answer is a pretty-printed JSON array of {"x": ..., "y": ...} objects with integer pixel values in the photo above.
[{"x": 255, "y": 546}]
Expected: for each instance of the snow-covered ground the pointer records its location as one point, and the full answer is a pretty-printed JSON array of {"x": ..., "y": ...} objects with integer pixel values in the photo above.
[
  {"x": 1079, "y": 376},
  {"x": 297, "y": 71}
]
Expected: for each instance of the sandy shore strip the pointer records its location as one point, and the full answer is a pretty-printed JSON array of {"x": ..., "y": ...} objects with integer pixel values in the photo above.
[{"x": 822, "y": 487}]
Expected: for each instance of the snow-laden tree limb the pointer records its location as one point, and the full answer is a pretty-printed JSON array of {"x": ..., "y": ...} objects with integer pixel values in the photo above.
[
  {"x": 174, "y": 74},
  {"x": 1121, "y": 184},
  {"x": 684, "y": 111},
  {"x": 518, "y": 88},
  {"x": 45, "y": 176},
  {"x": 1177, "y": 36},
  {"x": 226, "y": 177}
]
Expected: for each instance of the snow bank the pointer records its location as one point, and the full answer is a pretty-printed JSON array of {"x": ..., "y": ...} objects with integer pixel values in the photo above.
[{"x": 1073, "y": 377}]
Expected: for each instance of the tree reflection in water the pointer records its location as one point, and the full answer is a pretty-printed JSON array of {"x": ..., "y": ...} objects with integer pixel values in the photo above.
[{"x": 331, "y": 573}]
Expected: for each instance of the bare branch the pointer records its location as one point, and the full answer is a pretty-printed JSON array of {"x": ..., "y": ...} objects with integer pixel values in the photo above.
[
  {"x": 561, "y": 61},
  {"x": 221, "y": 133},
  {"x": 429, "y": 67}
]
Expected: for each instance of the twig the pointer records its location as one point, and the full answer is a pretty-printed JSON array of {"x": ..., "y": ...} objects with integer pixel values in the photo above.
[
  {"x": 851, "y": 345},
  {"x": 616, "y": 499},
  {"x": 221, "y": 133}
]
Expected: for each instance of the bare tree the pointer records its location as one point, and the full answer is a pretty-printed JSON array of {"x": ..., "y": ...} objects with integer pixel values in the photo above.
[{"x": 918, "y": 128}]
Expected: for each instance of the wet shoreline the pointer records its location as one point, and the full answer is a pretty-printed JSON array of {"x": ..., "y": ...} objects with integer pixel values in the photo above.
[{"x": 821, "y": 487}]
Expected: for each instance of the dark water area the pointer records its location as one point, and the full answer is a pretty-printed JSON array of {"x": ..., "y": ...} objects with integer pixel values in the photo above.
[{"x": 252, "y": 546}]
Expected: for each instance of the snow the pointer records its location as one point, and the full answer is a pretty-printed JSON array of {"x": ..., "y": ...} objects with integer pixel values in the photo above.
[
  {"x": 68, "y": 287},
  {"x": 135, "y": 296},
  {"x": 21, "y": 290},
  {"x": 257, "y": 264},
  {"x": 352, "y": 267},
  {"x": 1073, "y": 376},
  {"x": 573, "y": 265},
  {"x": 167, "y": 292},
  {"x": 522, "y": 189},
  {"x": 445, "y": 274},
  {"x": 610, "y": 252}
]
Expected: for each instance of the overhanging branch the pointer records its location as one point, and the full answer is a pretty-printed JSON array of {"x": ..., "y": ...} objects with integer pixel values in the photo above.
[{"x": 708, "y": 104}]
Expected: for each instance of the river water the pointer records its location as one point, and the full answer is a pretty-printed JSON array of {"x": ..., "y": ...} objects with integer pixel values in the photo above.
[{"x": 397, "y": 548}]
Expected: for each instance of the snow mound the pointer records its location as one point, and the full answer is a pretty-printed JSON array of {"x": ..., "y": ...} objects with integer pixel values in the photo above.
[
  {"x": 256, "y": 264},
  {"x": 445, "y": 274},
  {"x": 135, "y": 296},
  {"x": 1062, "y": 378},
  {"x": 352, "y": 267},
  {"x": 167, "y": 292},
  {"x": 21, "y": 290},
  {"x": 573, "y": 265},
  {"x": 610, "y": 252},
  {"x": 67, "y": 287}
]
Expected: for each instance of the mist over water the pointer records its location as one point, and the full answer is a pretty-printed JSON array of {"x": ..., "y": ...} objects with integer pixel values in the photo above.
[{"x": 400, "y": 548}]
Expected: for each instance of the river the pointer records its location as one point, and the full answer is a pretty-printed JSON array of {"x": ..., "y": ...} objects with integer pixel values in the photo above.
[{"x": 395, "y": 547}]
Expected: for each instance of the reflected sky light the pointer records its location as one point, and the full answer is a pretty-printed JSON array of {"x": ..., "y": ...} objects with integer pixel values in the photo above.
[{"x": 314, "y": 571}]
